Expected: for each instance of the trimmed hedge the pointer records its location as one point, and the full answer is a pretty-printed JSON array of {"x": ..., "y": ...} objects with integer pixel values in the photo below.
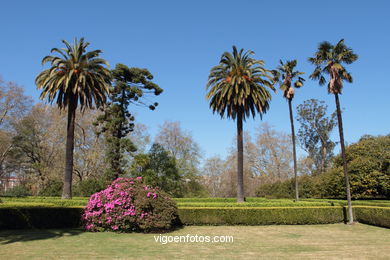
[
  {"x": 40, "y": 217},
  {"x": 261, "y": 216},
  {"x": 377, "y": 216},
  {"x": 252, "y": 204},
  {"x": 49, "y": 216}
]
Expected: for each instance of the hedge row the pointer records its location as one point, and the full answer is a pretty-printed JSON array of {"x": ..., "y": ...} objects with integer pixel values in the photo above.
[
  {"x": 252, "y": 204},
  {"x": 69, "y": 217},
  {"x": 261, "y": 216},
  {"x": 377, "y": 216},
  {"x": 40, "y": 217}
]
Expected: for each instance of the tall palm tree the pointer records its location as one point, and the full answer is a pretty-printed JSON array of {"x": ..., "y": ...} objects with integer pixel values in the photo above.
[
  {"x": 238, "y": 87},
  {"x": 329, "y": 60},
  {"x": 75, "y": 78},
  {"x": 285, "y": 74}
]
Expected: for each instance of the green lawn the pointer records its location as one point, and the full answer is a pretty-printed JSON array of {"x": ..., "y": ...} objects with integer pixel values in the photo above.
[{"x": 334, "y": 241}]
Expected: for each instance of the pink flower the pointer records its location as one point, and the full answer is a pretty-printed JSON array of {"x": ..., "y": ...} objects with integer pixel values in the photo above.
[{"x": 115, "y": 227}]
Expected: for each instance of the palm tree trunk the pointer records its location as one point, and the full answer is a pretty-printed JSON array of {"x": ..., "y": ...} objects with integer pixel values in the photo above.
[
  {"x": 294, "y": 150},
  {"x": 67, "y": 189},
  {"x": 347, "y": 186},
  {"x": 240, "y": 159}
]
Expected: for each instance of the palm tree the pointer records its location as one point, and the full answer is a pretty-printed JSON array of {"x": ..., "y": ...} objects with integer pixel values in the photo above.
[
  {"x": 287, "y": 73},
  {"x": 329, "y": 59},
  {"x": 75, "y": 78},
  {"x": 238, "y": 87}
]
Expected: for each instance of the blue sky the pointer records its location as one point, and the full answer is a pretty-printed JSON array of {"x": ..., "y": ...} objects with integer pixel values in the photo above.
[{"x": 179, "y": 41}]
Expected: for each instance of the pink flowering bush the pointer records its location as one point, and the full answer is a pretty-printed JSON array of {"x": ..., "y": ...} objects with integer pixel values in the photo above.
[{"x": 128, "y": 205}]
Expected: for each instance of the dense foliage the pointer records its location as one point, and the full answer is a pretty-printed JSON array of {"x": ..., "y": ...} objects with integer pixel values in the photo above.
[
  {"x": 158, "y": 169},
  {"x": 128, "y": 205}
]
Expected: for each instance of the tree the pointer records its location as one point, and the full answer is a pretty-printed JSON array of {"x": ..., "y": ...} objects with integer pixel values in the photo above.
[
  {"x": 14, "y": 105},
  {"x": 272, "y": 154},
  {"x": 130, "y": 85},
  {"x": 287, "y": 73},
  {"x": 368, "y": 167},
  {"x": 158, "y": 169},
  {"x": 314, "y": 132},
  {"x": 75, "y": 78},
  {"x": 329, "y": 59},
  {"x": 37, "y": 144},
  {"x": 238, "y": 86},
  {"x": 181, "y": 145},
  {"x": 213, "y": 170}
]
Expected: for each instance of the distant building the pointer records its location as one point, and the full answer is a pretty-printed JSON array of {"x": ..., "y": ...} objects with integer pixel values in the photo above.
[{"x": 7, "y": 183}]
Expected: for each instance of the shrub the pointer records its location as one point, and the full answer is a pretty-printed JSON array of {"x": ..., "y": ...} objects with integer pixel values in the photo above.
[
  {"x": 39, "y": 217},
  {"x": 129, "y": 205},
  {"x": 276, "y": 190},
  {"x": 17, "y": 191},
  {"x": 88, "y": 187},
  {"x": 377, "y": 216},
  {"x": 52, "y": 188}
]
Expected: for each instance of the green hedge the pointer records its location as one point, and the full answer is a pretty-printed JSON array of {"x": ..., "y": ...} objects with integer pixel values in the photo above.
[
  {"x": 49, "y": 216},
  {"x": 377, "y": 216},
  {"x": 40, "y": 217},
  {"x": 252, "y": 204},
  {"x": 261, "y": 216}
]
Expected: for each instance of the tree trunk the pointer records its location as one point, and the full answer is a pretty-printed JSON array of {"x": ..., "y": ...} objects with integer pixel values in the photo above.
[
  {"x": 323, "y": 160},
  {"x": 347, "y": 186},
  {"x": 240, "y": 159},
  {"x": 294, "y": 150},
  {"x": 67, "y": 189}
]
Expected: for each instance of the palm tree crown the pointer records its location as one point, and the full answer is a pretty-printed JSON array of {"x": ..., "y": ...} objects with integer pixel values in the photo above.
[
  {"x": 237, "y": 85},
  {"x": 75, "y": 75},
  {"x": 285, "y": 74},
  {"x": 329, "y": 59}
]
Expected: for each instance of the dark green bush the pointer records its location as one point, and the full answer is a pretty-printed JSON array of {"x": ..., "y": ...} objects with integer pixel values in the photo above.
[
  {"x": 39, "y": 217},
  {"x": 261, "y": 216},
  {"x": 88, "y": 187},
  {"x": 276, "y": 190},
  {"x": 52, "y": 188},
  {"x": 17, "y": 191},
  {"x": 377, "y": 216}
]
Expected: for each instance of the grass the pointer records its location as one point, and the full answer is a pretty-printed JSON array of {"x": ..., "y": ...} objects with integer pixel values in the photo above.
[{"x": 269, "y": 242}]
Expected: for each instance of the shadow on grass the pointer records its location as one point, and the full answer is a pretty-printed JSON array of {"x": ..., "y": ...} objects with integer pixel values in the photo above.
[{"x": 25, "y": 235}]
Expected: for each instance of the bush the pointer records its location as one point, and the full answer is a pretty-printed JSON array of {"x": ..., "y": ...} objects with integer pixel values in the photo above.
[
  {"x": 377, "y": 216},
  {"x": 39, "y": 217},
  {"x": 129, "y": 205},
  {"x": 261, "y": 216},
  {"x": 52, "y": 188},
  {"x": 88, "y": 187},
  {"x": 276, "y": 190},
  {"x": 17, "y": 191}
]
